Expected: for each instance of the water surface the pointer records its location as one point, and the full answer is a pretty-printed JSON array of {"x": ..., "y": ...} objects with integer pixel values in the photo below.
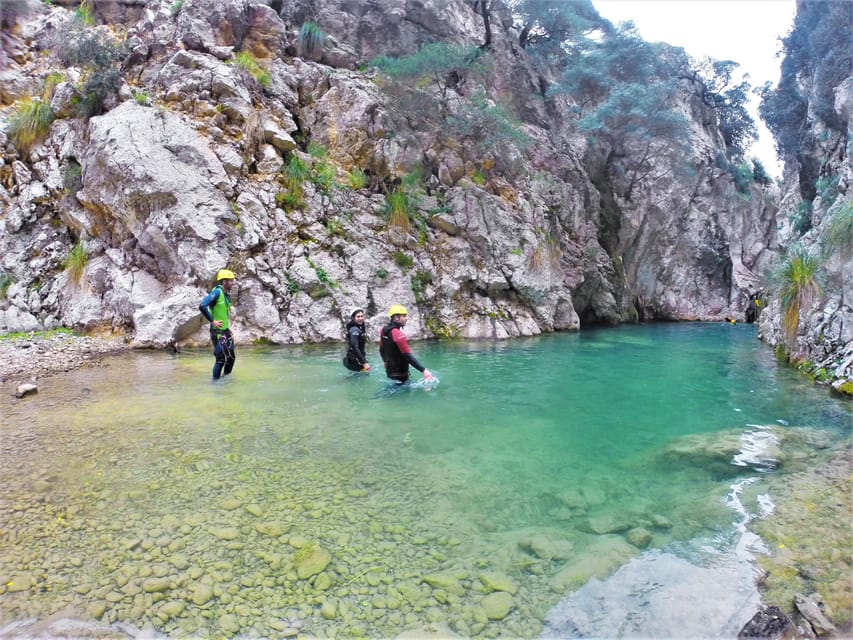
[{"x": 143, "y": 494}]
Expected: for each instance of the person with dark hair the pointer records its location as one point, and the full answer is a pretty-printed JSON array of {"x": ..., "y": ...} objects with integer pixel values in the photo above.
[
  {"x": 216, "y": 307},
  {"x": 356, "y": 358},
  {"x": 394, "y": 348}
]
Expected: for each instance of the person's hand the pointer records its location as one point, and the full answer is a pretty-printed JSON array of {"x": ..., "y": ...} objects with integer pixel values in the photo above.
[
  {"x": 428, "y": 376},
  {"x": 217, "y": 324},
  {"x": 366, "y": 367}
]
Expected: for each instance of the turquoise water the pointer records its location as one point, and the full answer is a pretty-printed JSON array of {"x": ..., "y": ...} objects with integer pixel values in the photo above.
[{"x": 545, "y": 462}]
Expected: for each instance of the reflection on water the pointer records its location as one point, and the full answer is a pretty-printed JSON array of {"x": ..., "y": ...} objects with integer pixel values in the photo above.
[{"x": 294, "y": 497}]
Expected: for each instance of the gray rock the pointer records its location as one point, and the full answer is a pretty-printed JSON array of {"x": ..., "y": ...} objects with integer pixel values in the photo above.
[{"x": 26, "y": 389}]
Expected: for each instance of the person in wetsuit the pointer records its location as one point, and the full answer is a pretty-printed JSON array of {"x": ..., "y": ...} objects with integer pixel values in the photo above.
[
  {"x": 394, "y": 348},
  {"x": 355, "y": 359},
  {"x": 216, "y": 307}
]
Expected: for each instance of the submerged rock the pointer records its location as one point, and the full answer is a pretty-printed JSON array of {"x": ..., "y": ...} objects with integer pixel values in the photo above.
[
  {"x": 26, "y": 389},
  {"x": 498, "y": 605},
  {"x": 312, "y": 560},
  {"x": 771, "y": 623}
]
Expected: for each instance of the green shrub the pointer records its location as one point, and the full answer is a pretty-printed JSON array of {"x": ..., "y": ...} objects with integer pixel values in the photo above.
[
  {"x": 176, "y": 7},
  {"x": 397, "y": 208},
  {"x": 827, "y": 187},
  {"x": 292, "y": 286},
  {"x": 289, "y": 200},
  {"x": 837, "y": 235},
  {"x": 324, "y": 176},
  {"x": 246, "y": 61},
  {"x": 75, "y": 262},
  {"x": 30, "y": 124},
  {"x": 403, "y": 260},
  {"x": 100, "y": 86},
  {"x": 743, "y": 177},
  {"x": 801, "y": 219},
  {"x": 295, "y": 171},
  {"x": 6, "y": 281},
  {"x": 50, "y": 82},
  {"x": 356, "y": 179},
  {"x": 311, "y": 41},
  {"x": 381, "y": 273},
  {"x": 419, "y": 283},
  {"x": 797, "y": 285},
  {"x": 83, "y": 13},
  {"x": 72, "y": 177},
  {"x": 317, "y": 151},
  {"x": 759, "y": 173}
]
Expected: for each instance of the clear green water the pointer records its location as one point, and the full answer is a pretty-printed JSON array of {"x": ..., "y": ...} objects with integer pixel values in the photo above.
[{"x": 145, "y": 470}]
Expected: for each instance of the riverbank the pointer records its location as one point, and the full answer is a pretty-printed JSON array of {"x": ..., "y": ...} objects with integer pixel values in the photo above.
[
  {"x": 28, "y": 357},
  {"x": 810, "y": 540}
]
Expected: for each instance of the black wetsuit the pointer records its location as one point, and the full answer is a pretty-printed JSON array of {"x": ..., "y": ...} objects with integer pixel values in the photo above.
[
  {"x": 355, "y": 358},
  {"x": 396, "y": 354}
]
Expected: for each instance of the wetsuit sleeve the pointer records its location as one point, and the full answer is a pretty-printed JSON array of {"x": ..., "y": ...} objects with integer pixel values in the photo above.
[
  {"x": 209, "y": 301},
  {"x": 403, "y": 346},
  {"x": 354, "y": 346}
]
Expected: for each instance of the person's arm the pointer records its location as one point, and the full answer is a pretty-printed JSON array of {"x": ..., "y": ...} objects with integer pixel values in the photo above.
[
  {"x": 403, "y": 345},
  {"x": 209, "y": 300}
]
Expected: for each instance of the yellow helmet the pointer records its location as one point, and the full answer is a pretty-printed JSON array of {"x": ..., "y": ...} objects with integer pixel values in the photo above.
[
  {"x": 225, "y": 274},
  {"x": 397, "y": 310}
]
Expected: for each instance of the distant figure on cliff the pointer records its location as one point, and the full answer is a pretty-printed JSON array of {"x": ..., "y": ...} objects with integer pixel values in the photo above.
[
  {"x": 394, "y": 348},
  {"x": 355, "y": 359},
  {"x": 216, "y": 307}
]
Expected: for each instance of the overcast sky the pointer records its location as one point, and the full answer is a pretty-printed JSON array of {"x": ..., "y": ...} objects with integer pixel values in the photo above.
[{"x": 746, "y": 31}]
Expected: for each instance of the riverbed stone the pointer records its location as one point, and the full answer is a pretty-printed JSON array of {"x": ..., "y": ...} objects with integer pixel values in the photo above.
[
  {"x": 639, "y": 537},
  {"x": 497, "y": 605},
  {"x": 609, "y": 522},
  {"x": 97, "y": 609},
  {"x": 601, "y": 559},
  {"x": 156, "y": 585},
  {"x": 171, "y": 609},
  {"x": 329, "y": 610},
  {"x": 224, "y": 533},
  {"x": 313, "y": 562},
  {"x": 20, "y": 582},
  {"x": 446, "y": 581},
  {"x": 272, "y": 528},
  {"x": 498, "y": 582},
  {"x": 202, "y": 593},
  {"x": 26, "y": 389},
  {"x": 547, "y": 547},
  {"x": 322, "y": 582},
  {"x": 229, "y": 623}
]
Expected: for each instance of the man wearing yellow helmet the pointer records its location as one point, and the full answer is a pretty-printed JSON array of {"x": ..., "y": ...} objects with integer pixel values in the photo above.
[
  {"x": 394, "y": 348},
  {"x": 216, "y": 307}
]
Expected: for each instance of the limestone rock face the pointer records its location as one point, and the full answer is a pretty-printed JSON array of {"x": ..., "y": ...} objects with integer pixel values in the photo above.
[
  {"x": 817, "y": 192},
  {"x": 185, "y": 173}
]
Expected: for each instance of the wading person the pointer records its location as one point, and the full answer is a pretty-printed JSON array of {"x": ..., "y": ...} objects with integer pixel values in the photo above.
[
  {"x": 394, "y": 348},
  {"x": 216, "y": 307},
  {"x": 355, "y": 359}
]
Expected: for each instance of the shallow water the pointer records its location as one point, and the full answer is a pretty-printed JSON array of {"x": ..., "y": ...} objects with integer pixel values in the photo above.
[{"x": 143, "y": 494}]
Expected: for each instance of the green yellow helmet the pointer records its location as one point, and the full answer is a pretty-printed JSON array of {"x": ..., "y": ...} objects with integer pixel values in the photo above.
[
  {"x": 397, "y": 310},
  {"x": 225, "y": 274}
]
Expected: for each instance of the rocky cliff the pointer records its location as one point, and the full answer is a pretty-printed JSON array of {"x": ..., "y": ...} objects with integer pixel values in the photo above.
[
  {"x": 193, "y": 135},
  {"x": 809, "y": 318}
]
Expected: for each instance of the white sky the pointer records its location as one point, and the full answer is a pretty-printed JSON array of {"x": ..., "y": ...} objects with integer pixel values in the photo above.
[{"x": 746, "y": 31}]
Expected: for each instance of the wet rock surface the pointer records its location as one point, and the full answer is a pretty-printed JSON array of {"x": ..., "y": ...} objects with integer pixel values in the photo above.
[{"x": 26, "y": 358}]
